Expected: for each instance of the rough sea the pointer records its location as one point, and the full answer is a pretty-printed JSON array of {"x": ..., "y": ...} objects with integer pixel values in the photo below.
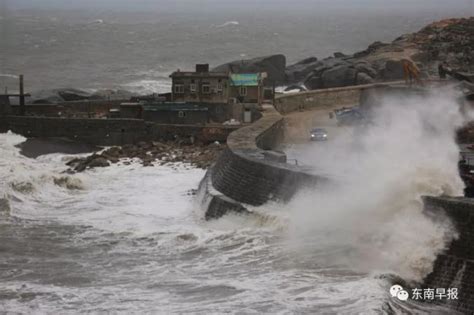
[
  {"x": 128, "y": 239},
  {"x": 104, "y": 49}
]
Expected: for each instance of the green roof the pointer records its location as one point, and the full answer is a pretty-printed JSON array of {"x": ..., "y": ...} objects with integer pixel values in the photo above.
[{"x": 244, "y": 79}]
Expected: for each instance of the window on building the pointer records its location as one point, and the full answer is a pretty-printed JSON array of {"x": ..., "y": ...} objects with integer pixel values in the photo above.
[
  {"x": 206, "y": 88},
  {"x": 243, "y": 91},
  {"x": 179, "y": 88},
  {"x": 192, "y": 88},
  {"x": 219, "y": 87},
  {"x": 181, "y": 114}
]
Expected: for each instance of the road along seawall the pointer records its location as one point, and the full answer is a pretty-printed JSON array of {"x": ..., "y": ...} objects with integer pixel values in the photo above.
[
  {"x": 455, "y": 267},
  {"x": 108, "y": 132},
  {"x": 324, "y": 98},
  {"x": 250, "y": 173}
]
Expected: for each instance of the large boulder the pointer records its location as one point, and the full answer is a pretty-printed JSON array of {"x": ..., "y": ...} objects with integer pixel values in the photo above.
[
  {"x": 393, "y": 70},
  {"x": 300, "y": 70},
  {"x": 363, "y": 78},
  {"x": 371, "y": 49},
  {"x": 58, "y": 95},
  {"x": 313, "y": 82},
  {"x": 108, "y": 94},
  {"x": 273, "y": 65},
  {"x": 73, "y": 94},
  {"x": 310, "y": 71},
  {"x": 99, "y": 162},
  {"x": 366, "y": 68},
  {"x": 343, "y": 75}
]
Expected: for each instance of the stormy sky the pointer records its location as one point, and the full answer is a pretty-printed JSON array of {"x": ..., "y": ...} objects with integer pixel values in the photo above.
[{"x": 206, "y": 5}]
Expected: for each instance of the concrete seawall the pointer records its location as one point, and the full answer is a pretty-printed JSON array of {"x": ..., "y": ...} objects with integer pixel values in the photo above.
[
  {"x": 244, "y": 176},
  {"x": 455, "y": 267},
  {"x": 108, "y": 131},
  {"x": 248, "y": 172},
  {"x": 317, "y": 99},
  {"x": 70, "y": 108}
]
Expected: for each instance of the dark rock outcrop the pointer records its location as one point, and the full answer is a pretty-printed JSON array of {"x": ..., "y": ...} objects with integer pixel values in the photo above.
[
  {"x": 151, "y": 153},
  {"x": 393, "y": 70},
  {"x": 337, "y": 72},
  {"x": 449, "y": 40},
  {"x": 34, "y": 147},
  {"x": 56, "y": 96},
  {"x": 300, "y": 70},
  {"x": 342, "y": 75},
  {"x": 273, "y": 65}
]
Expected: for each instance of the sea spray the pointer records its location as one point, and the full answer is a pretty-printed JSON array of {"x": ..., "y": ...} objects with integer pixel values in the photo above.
[{"x": 372, "y": 218}]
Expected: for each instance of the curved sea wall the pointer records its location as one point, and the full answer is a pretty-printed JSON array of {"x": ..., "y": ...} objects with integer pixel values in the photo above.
[
  {"x": 320, "y": 98},
  {"x": 249, "y": 172},
  {"x": 455, "y": 267},
  {"x": 116, "y": 131},
  {"x": 316, "y": 99}
]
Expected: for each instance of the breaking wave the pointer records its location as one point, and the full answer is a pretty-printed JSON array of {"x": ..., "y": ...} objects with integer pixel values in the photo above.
[
  {"x": 130, "y": 239},
  {"x": 144, "y": 87},
  {"x": 372, "y": 219},
  {"x": 228, "y": 23},
  {"x": 7, "y": 75}
]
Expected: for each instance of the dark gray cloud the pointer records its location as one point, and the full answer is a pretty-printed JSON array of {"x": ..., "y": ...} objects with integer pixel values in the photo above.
[{"x": 204, "y": 5}]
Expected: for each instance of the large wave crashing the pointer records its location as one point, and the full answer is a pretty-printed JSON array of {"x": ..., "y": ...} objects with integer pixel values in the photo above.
[{"x": 373, "y": 219}]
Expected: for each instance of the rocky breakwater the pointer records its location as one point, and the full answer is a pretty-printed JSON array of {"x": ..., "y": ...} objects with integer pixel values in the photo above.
[
  {"x": 450, "y": 41},
  {"x": 150, "y": 154},
  {"x": 56, "y": 96},
  {"x": 273, "y": 65}
]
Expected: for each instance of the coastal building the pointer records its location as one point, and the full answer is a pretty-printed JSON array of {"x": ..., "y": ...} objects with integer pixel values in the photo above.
[
  {"x": 202, "y": 97},
  {"x": 204, "y": 86},
  {"x": 200, "y": 86},
  {"x": 177, "y": 114}
]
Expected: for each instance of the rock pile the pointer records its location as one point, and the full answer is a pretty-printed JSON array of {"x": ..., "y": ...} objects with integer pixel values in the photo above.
[
  {"x": 331, "y": 72},
  {"x": 450, "y": 40},
  {"x": 273, "y": 65},
  {"x": 150, "y": 153},
  {"x": 55, "y": 96}
]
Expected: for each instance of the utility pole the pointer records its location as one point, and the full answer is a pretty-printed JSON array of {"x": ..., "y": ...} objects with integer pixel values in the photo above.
[
  {"x": 273, "y": 92},
  {"x": 22, "y": 97}
]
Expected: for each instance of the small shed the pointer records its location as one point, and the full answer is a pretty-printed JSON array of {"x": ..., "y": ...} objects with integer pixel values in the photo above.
[{"x": 176, "y": 113}]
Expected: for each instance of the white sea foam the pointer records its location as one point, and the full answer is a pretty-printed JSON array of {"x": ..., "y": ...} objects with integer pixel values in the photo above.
[
  {"x": 148, "y": 86},
  {"x": 8, "y": 75},
  {"x": 372, "y": 218},
  {"x": 134, "y": 237},
  {"x": 228, "y": 23}
]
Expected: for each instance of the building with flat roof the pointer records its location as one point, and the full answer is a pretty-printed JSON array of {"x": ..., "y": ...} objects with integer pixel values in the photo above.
[{"x": 203, "y": 86}]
